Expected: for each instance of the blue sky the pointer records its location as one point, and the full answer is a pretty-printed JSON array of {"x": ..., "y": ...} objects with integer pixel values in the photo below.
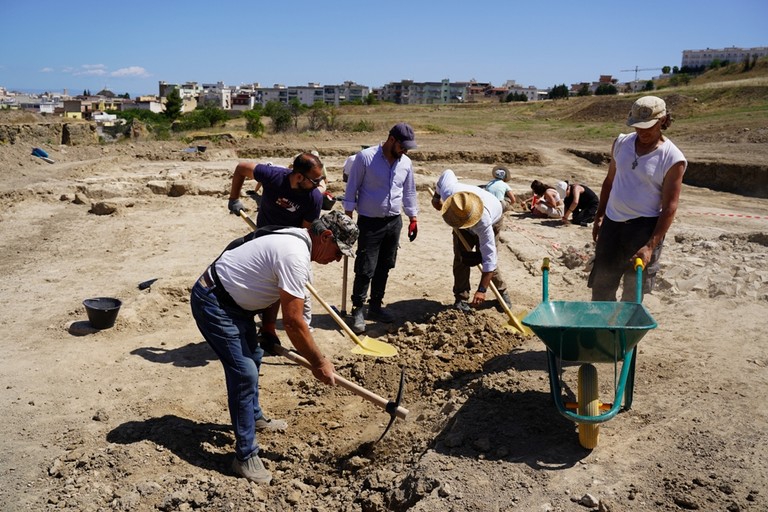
[{"x": 130, "y": 46}]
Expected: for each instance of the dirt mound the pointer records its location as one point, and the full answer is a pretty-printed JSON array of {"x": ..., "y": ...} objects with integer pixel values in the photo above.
[{"x": 448, "y": 357}]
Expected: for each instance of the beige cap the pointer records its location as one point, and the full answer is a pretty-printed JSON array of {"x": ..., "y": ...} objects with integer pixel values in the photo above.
[
  {"x": 462, "y": 210},
  {"x": 646, "y": 112}
]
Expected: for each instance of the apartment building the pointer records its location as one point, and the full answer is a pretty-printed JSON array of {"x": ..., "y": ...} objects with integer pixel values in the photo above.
[
  {"x": 733, "y": 55},
  {"x": 245, "y": 97},
  {"x": 408, "y": 92}
]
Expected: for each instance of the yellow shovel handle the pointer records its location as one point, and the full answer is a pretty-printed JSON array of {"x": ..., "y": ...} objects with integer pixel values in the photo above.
[{"x": 512, "y": 318}]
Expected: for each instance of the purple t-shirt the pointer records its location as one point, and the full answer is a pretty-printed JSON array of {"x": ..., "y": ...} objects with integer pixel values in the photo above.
[{"x": 280, "y": 204}]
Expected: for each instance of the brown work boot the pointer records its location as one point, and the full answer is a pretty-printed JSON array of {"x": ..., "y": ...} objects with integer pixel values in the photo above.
[{"x": 252, "y": 469}]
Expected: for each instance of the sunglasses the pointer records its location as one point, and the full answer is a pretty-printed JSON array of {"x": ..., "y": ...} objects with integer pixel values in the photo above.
[
  {"x": 402, "y": 148},
  {"x": 315, "y": 181}
]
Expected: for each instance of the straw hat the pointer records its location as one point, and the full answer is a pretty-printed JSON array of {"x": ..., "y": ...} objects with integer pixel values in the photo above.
[{"x": 462, "y": 210}]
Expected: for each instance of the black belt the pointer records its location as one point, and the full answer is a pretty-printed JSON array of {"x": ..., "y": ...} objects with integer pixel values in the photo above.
[
  {"x": 206, "y": 279},
  {"x": 385, "y": 218},
  {"x": 211, "y": 281}
]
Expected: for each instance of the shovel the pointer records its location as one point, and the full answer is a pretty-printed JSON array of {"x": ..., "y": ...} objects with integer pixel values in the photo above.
[
  {"x": 344, "y": 287},
  {"x": 367, "y": 346},
  {"x": 514, "y": 323}
]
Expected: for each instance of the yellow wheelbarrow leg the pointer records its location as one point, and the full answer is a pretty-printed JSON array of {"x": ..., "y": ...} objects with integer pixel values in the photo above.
[{"x": 589, "y": 405}]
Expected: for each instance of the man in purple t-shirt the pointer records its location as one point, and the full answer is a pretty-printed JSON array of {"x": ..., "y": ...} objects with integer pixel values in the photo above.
[{"x": 290, "y": 196}]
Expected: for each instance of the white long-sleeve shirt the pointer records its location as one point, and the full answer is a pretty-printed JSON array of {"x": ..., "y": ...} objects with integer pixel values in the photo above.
[{"x": 446, "y": 186}]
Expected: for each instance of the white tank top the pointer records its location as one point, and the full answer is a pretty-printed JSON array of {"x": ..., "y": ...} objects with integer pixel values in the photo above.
[{"x": 637, "y": 192}]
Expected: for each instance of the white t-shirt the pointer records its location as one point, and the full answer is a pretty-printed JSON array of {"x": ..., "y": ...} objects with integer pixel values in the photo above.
[
  {"x": 637, "y": 192},
  {"x": 348, "y": 166},
  {"x": 254, "y": 273}
]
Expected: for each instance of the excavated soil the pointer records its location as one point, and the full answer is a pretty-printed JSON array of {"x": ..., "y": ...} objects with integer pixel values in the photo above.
[{"x": 135, "y": 417}]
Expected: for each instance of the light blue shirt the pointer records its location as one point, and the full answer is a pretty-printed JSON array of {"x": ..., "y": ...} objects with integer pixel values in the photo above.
[
  {"x": 446, "y": 186},
  {"x": 498, "y": 188},
  {"x": 376, "y": 189}
]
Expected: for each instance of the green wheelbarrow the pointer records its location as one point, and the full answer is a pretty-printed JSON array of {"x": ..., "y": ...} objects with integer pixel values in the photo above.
[{"x": 587, "y": 333}]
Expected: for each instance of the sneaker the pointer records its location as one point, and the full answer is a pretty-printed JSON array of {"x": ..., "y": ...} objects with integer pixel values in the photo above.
[
  {"x": 462, "y": 306},
  {"x": 376, "y": 312},
  {"x": 271, "y": 425},
  {"x": 252, "y": 469},
  {"x": 358, "y": 321}
]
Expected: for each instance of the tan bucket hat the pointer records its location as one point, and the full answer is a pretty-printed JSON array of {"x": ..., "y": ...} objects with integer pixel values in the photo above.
[{"x": 462, "y": 210}]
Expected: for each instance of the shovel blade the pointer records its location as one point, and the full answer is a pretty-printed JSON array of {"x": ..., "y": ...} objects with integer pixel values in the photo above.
[
  {"x": 373, "y": 347},
  {"x": 517, "y": 326}
]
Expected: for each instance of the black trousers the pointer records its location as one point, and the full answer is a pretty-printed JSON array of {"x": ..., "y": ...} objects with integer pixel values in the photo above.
[
  {"x": 617, "y": 242},
  {"x": 376, "y": 254}
]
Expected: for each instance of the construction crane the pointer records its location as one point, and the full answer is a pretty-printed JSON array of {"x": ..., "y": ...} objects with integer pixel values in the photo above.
[{"x": 640, "y": 69}]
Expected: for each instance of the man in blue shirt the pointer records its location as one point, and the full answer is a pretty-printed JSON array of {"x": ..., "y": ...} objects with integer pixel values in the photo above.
[
  {"x": 290, "y": 197},
  {"x": 380, "y": 185}
]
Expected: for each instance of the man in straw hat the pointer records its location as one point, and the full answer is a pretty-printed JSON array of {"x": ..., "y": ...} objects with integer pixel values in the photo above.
[
  {"x": 638, "y": 202},
  {"x": 477, "y": 216}
]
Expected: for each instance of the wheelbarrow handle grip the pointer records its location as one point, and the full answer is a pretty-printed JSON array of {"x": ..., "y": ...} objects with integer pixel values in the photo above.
[
  {"x": 545, "y": 265},
  {"x": 639, "y": 263}
]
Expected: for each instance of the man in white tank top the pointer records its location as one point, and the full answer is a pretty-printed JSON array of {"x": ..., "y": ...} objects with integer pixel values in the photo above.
[{"x": 638, "y": 202}]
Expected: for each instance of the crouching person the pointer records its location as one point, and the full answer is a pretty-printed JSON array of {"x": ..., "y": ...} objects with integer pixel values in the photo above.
[{"x": 266, "y": 270}]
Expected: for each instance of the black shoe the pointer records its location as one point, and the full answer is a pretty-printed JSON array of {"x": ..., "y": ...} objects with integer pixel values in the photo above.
[
  {"x": 462, "y": 306},
  {"x": 358, "y": 320},
  {"x": 376, "y": 312}
]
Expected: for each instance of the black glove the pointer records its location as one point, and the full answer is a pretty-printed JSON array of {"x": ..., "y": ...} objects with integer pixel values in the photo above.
[
  {"x": 471, "y": 258},
  {"x": 235, "y": 206},
  {"x": 267, "y": 340}
]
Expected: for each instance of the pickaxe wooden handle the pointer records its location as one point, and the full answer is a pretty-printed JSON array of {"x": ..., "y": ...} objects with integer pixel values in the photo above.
[{"x": 383, "y": 403}]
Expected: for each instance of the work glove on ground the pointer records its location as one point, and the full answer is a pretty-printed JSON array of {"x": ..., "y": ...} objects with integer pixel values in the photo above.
[
  {"x": 235, "y": 206},
  {"x": 413, "y": 230}
]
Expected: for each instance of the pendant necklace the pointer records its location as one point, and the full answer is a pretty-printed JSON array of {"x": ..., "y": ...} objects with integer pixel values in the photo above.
[{"x": 634, "y": 163}]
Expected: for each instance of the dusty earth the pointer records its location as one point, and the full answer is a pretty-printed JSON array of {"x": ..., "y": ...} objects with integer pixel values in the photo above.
[{"x": 135, "y": 418}]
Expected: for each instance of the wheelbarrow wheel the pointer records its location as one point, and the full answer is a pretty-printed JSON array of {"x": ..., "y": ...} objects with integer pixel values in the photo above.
[{"x": 589, "y": 405}]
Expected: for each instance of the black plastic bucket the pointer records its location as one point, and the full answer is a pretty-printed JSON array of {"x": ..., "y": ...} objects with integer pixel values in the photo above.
[{"x": 102, "y": 311}]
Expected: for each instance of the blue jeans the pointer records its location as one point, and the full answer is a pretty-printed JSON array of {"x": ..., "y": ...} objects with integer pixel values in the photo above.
[{"x": 232, "y": 335}]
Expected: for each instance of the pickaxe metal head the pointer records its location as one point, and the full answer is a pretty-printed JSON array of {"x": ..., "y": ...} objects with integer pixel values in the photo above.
[{"x": 391, "y": 407}]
